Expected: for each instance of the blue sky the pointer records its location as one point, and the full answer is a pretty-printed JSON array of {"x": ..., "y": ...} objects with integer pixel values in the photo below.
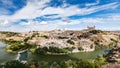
[{"x": 37, "y": 15}]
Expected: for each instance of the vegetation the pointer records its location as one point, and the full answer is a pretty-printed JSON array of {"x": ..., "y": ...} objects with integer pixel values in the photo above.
[
  {"x": 86, "y": 64},
  {"x": 62, "y": 64},
  {"x": 114, "y": 40},
  {"x": 51, "y": 49},
  {"x": 100, "y": 60},
  {"x": 41, "y": 51},
  {"x": 95, "y": 31},
  {"x": 8, "y": 34},
  {"x": 79, "y": 37},
  {"x": 45, "y": 36},
  {"x": 26, "y": 39},
  {"x": 18, "y": 47},
  {"x": 60, "y": 37},
  {"x": 87, "y": 34},
  {"x": 98, "y": 45},
  {"x": 15, "y": 64},
  {"x": 70, "y": 42},
  {"x": 44, "y": 64},
  {"x": 91, "y": 46},
  {"x": 15, "y": 46},
  {"x": 11, "y": 41},
  {"x": 80, "y": 48}
]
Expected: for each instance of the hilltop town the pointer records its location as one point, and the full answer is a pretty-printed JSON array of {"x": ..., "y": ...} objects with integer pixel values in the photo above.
[{"x": 84, "y": 40}]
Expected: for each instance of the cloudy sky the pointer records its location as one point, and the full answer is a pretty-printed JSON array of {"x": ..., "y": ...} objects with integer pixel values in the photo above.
[{"x": 29, "y": 15}]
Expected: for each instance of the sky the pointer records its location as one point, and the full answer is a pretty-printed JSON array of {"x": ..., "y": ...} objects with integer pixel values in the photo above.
[{"x": 44, "y": 15}]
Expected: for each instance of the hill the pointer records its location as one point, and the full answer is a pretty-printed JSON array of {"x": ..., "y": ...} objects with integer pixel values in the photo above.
[{"x": 84, "y": 40}]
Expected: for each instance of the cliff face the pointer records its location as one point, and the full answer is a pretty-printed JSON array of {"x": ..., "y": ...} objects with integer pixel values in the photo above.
[
  {"x": 114, "y": 54},
  {"x": 113, "y": 57}
]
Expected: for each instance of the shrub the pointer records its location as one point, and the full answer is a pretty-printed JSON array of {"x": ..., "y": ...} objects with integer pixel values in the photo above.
[
  {"x": 80, "y": 48},
  {"x": 114, "y": 40},
  {"x": 15, "y": 64},
  {"x": 43, "y": 64},
  {"x": 45, "y": 36},
  {"x": 26, "y": 39},
  {"x": 11, "y": 41},
  {"x": 91, "y": 46},
  {"x": 70, "y": 42},
  {"x": 85, "y": 35},
  {"x": 18, "y": 46},
  {"x": 96, "y": 31},
  {"x": 41, "y": 51},
  {"x": 60, "y": 37},
  {"x": 84, "y": 64},
  {"x": 52, "y": 49}
]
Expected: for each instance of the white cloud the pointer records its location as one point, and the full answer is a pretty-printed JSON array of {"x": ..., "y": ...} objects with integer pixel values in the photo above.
[
  {"x": 4, "y": 23},
  {"x": 91, "y": 4},
  {"x": 36, "y": 26},
  {"x": 65, "y": 23},
  {"x": 60, "y": 24},
  {"x": 33, "y": 23},
  {"x": 110, "y": 19},
  {"x": 43, "y": 23},
  {"x": 34, "y": 8},
  {"x": 30, "y": 11},
  {"x": 74, "y": 10}
]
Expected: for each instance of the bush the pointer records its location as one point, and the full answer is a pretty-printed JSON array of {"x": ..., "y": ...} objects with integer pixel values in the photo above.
[
  {"x": 15, "y": 64},
  {"x": 52, "y": 49},
  {"x": 43, "y": 64},
  {"x": 9, "y": 34},
  {"x": 91, "y": 46},
  {"x": 60, "y": 37},
  {"x": 11, "y": 41},
  {"x": 86, "y": 64},
  {"x": 70, "y": 42},
  {"x": 26, "y": 39},
  {"x": 96, "y": 31},
  {"x": 18, "y": 46},
  {"x": 85, "y": 35},
  {"x": 100, "y": 60},
  {"x": 57, "y": 50},
  {"x": 45, "y": 36},
  {"x": 80, "y": 48},
  {"x": 41, "y": 51},
  {"x": 114, "y": 40}
]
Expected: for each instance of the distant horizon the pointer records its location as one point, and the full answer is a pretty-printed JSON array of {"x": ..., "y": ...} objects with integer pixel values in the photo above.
[
  {"x": 58, "y": 29},
  {"x": 46, "y": 15}
]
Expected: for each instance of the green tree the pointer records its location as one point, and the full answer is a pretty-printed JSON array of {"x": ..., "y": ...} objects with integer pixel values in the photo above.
[
  {"x": 40, "y": 51},
  {"x": 84, "y": 64},
  {"x": 63, "y": 64},
  {"x": 43, "y": 64},
  {"x": 15, "y": 64}
]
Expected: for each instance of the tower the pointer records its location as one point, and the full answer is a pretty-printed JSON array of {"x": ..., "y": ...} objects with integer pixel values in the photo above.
[{"x": 91, "y": 27}]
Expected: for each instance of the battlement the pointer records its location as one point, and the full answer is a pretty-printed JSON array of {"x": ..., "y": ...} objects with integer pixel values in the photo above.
[{"x": 91, "y": 28}]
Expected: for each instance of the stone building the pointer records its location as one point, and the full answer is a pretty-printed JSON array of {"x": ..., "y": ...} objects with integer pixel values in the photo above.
[{"x": 91, "y": 28}]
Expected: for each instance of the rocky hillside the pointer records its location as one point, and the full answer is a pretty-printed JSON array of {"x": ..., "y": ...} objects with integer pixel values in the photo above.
[
  {"x": 114, "y": 54},
  {"x": 84, "y": 40},
  {"x": 113, "y": 57}
]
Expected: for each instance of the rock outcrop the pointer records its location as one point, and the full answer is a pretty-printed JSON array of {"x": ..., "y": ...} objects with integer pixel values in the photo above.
[{"x": 114, "y": 54}]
